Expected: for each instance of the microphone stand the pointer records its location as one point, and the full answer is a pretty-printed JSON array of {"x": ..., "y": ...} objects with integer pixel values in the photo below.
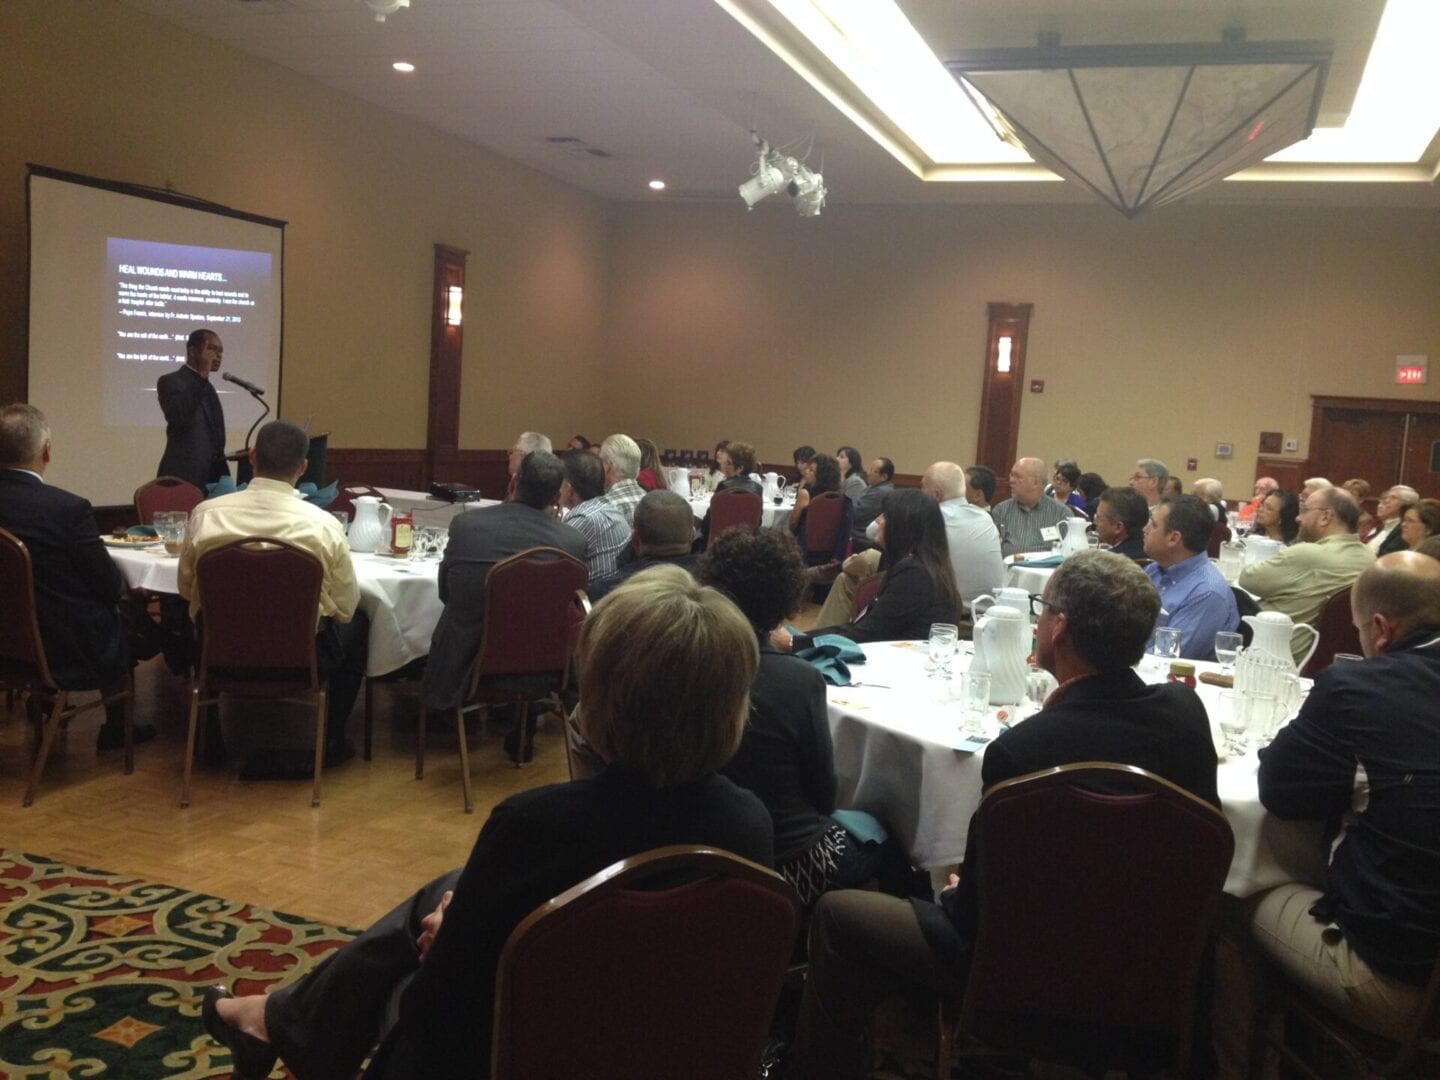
[{"x": 255, "y": 425}]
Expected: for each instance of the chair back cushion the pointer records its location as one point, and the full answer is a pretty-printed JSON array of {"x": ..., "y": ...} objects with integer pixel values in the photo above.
[
  {"x": 866, "y": 592},
  {"x": 22, "y": 655},
  {"x": 259, "y": 599},
  {"x": 1101, "y": 970},
  {"x": 734, "y": 509},
  {"x": 1218, "y": 536},
  {"x": 1337, "y": 634},
  {"x": 676, "y": 980},
  {"x": 165, "y": 493},
  {"x": 530, "y": 613},
  {"x": 822, "y": 521}
]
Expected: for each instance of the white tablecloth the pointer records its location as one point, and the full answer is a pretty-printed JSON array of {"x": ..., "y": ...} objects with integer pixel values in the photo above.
[
  {"x": 771, "y": 513},
  {"x": 400, "y": 596},
  {"x": 1030, "y": 578},
  {"x": 429, "y": 510},
  {"x": 899, "y": 754}
]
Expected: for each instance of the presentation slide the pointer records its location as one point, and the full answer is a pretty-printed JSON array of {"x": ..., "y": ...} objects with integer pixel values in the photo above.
[{"x": 119, "y": 277}]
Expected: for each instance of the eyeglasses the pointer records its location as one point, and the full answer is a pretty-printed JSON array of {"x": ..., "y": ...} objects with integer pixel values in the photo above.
[{"x": 1038, "y": 604}]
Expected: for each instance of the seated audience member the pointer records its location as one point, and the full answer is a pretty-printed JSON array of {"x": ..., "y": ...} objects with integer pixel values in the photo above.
[
  {"x": 1329, "y": 557},
  {"x": 1212, "y": 493},
  {"x": 591, "y": 514},
  {"x": 652, "y": 473},
  {"x": 528, "y": 442},
  {"x": 1063, "y": 486},
  {"x": 1420, "y": 522},
  {"x": 421, "y": 980},
  {"x": 1173, "y": 487},
  {"x": 716, "y": 471},
  {"x": 1361, "y": 490},
  {"x": 1150, "y": 479},
  {"x": 478, "y": 540},
  {"x": 822, "y": 474},
  {"x": 786, "y": 757},
  {"x": 1314, "y": 484},
  {"x": 1091, "y": 486},
  {"x": 1027, "y": 520},
  {"x": 1385, "y": 535},
  {"x": 78, "y": 590},
  {"x": 1263, "y": 487},
  {"x": 980, "y": 486},
  {"x": 802, "y": 456},
  {"x": 620, "y": 455},
  {"x": 970, "y": 534},
  {"x": 1278, "y": 517},
  {"x": 1120, "y": 519},
  {"x": 1060, "y": 463},
  {"x": 269, "y": 507},
  {"x": 880, "y": 481},
  {"x": 1194, "y": 598},
  {"x": 852, "y": 473},
  {"x": 1430, "y": 547},
  {"x": 664, "y": 530},
  {"x": 919, "y": 586},
  {"x": 737, "y": 462},
  {"x": 1095, "y": 620},
  {"x": 1365, "y": 939},
  {"x": 579, "y": 442}
]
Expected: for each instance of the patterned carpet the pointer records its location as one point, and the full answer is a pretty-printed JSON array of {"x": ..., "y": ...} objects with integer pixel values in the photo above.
[{"x": 101, "y": 973}]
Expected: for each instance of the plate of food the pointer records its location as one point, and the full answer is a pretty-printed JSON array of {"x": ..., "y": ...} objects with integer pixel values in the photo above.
[{"x": 132, "y": 541}]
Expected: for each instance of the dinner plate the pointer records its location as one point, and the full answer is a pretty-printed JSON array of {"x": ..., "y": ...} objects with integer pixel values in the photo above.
[{"x": 142, "y": 542}]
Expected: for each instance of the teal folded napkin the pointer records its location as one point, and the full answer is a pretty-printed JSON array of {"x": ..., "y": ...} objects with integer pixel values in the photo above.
[
  {"x": 143, "y": 530},
  {"x": 1041, "y": 564},
  {"x": 864, "y": 827},
  {"x": 832, "y": 654},
  {"x": 321, "y": 497}
]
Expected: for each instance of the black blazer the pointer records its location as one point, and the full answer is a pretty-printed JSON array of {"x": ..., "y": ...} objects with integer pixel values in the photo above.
[
  {"x": 478, "y": 540},
  {"x": 907, "y": 604},
  {"x": 194, "y": 428},
  {"x": 76, "y": 583}
]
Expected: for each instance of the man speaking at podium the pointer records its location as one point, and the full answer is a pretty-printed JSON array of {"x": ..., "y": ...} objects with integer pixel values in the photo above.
[{"x": 194, "y": 421}]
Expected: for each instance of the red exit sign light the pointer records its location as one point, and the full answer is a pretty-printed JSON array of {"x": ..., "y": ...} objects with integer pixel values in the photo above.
[{"x": 1411, "y": 370}]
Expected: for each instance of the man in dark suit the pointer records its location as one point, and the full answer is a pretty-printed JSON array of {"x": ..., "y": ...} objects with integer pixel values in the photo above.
[
  {"x": 194, "y": 421},
  {"x": 1097, "y": 614},
  {"x": 478, "y": 540},
  {"x": 77, "y": 587}
]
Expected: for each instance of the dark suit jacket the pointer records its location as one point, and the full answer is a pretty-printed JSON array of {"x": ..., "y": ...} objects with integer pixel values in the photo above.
[
  {"x": 904, "y": 609},
  {"x": 76, "y": 583},
  {"x": 194, "y": 428},
  {"x": 478, "y": 540},
  {"x": 1111, "y": 717},
  {"x": 535, "y": 845}
]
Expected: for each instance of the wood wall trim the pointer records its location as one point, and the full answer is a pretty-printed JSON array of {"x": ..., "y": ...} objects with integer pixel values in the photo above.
[
  {"x": 1400, "y": 405},
  {"x": 442, "y": 426}
]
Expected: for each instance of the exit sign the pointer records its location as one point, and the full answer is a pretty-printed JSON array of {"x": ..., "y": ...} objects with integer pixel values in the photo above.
[{"x": 1411, "y": 370}]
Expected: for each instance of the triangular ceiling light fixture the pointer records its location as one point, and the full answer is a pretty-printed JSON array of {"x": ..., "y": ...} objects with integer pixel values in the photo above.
[{"x": 1142, "y": 126}]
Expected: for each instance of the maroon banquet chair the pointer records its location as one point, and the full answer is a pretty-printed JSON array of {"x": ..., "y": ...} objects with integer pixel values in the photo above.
[
  {"x": 24, "y": 669},
  {"x": 1337, "y": 634},
  {"x": 258, "y": 602},
  {"x": 866, "y": 592},
  {"x": 733, "y": 509},
  {"x": 666, "y": 964},
  {"x": 1103, "y": 975},
  {"x": 1218, "y": 535},
  {"x": 823, "y": 518},
  {"x": 165, "y": 493}
]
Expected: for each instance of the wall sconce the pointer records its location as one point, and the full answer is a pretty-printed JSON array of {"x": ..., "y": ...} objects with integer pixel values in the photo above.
[
  {"x": 454, "y": 296},
  {"x": 1002, "y": 355}
]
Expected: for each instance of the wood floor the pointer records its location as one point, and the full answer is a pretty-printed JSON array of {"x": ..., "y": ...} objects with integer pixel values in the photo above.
[{"x": 377, "y": 835}]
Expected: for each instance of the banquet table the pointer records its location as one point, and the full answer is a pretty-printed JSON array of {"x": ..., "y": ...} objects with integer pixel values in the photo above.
[
  {"x": 900, "y": 754},
  {"x": 401, "y": 597},
  {"x": 1032, "y": 579}
]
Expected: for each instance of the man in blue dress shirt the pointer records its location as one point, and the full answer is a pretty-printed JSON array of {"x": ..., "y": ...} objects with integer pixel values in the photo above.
[{"x": 1194, "y": 597}]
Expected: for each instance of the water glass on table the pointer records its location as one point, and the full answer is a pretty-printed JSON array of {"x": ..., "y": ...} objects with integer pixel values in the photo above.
[
  {"x": 1233, "y": 722},
  {"x": 975, "y": 700},
  {"x": 1227, "y": 647},
  {"x": 944, "y": 639},
  {"x": 1165, "y": 645},
  {"x": 170, "y": 528}
]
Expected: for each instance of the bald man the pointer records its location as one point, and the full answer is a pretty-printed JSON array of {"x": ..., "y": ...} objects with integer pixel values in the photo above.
[
  {"x": 1365, "y": 939},
  {"x": 1265, "y": 486},
  {"x": 1027, "y": 520}
]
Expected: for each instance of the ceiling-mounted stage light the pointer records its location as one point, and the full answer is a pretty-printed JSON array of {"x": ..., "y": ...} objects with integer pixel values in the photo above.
[{"x": 777, "y": 172}]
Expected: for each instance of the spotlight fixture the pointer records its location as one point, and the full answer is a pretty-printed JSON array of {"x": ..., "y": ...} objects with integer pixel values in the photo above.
[
  {"x": 775, "y": 172},
  {"x": 657, "y": 185},
  {"x": 403, "y": 66},
  {"x": 381, "y": 8}
]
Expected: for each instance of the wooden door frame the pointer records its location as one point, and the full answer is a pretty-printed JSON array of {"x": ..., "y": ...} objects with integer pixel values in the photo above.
[{"x": 1012, "y": 320}]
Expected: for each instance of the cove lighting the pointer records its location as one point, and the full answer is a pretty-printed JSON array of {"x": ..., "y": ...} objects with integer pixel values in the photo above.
[{"x": 403, "y": 66}]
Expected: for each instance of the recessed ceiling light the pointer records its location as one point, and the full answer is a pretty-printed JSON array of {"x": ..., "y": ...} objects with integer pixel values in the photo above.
[
  {"x": 403, "y": 65},
  {"x": 657, "y": 185}
]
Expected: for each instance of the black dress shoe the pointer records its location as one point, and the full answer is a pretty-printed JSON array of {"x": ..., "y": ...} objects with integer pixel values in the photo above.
[
  {"x": 251, "y": 1058},
  {"x": 112, "y": 736}
]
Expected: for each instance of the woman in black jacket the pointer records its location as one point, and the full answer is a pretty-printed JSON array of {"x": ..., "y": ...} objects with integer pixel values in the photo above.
[{"x": 919, "y": 586}]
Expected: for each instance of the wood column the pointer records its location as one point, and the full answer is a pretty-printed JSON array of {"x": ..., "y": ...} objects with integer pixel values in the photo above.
[
  {"x": 1000, "y": 396},
  {"x": 442, "y": 429}
]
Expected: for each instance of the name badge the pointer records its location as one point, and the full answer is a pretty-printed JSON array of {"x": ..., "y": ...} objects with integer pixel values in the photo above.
[{"x": 1050, "y": 532}]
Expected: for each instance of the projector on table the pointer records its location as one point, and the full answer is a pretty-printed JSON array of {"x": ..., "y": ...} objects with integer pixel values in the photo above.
[{"x": 455, "y": 493}]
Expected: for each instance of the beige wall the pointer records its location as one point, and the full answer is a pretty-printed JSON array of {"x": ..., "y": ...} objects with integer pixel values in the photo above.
[
  {"x": 1160, "y": 337},
  {"x": 94, "y": 87}
]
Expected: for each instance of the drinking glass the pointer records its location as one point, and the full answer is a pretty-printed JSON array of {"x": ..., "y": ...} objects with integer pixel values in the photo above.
[
  {"x": 343, "y": 517},
  {"x": 1263, "y": 713},
  {"x": 1233, "y": 722},
  {"x": 170, "y": 527},
  {"x": 1227, "y": 647},
  {"x": 1166, "y": 644},
  {"x": 975, "y": 696},
  {"x": 943, "y": 641}
]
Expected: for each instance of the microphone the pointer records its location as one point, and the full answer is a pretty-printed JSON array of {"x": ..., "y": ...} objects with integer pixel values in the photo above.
[{"x": 243, "y": 383}]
